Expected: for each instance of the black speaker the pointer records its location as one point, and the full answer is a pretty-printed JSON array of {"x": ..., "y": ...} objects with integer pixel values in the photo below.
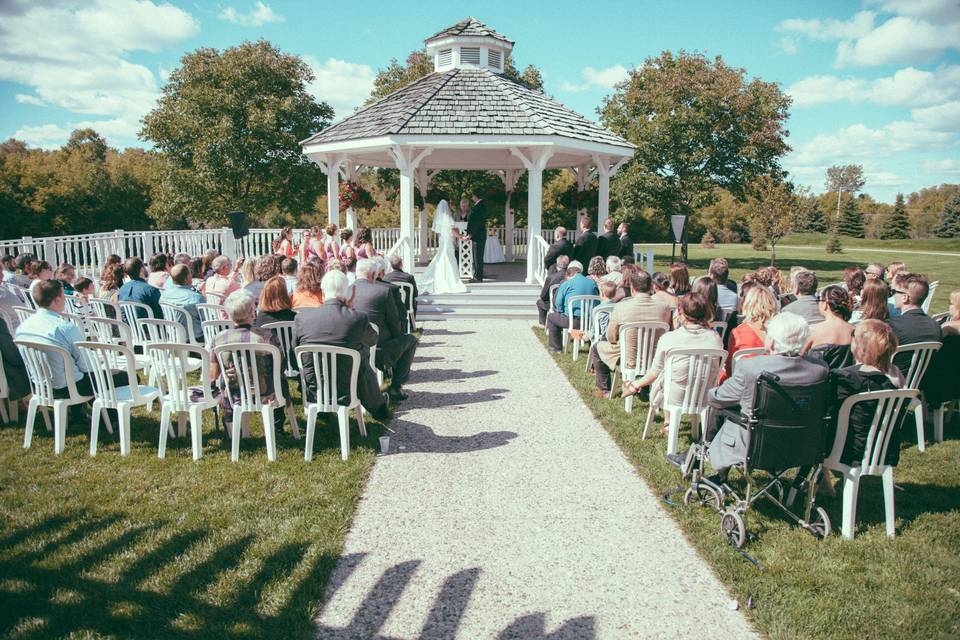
[{"x": 238, "y": 224}]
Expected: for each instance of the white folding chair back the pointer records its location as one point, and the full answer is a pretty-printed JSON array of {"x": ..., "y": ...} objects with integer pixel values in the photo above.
[
  {"x": 72, "y": 304},
  {"x": 78, "y": 321},
  {"x": 103, "y": 358},
  {"x": 286, "y": 337},
  {"x": 156, "y": 330},
  {"x": 373, "y": 356},
  {"x": 179, "y": 315},
  {"x": 921, "y": 355},
  {"x": 406, "y": 294},
  {"x": 324, "y": 361},
  {"x": 647, "y": 336},
  {"x": 36, "y": 357},
  {"x": 109, "y": 331},
  {"x": 720, "y": 326},
  {"x": 213, "y": 298},
  {"x": 550, "y": 296},
  {"x": 596, "y": 335},
  {"x": 889, "y": 407},
  {"x": 105, "y": 308},
  {"x": 23, "y": 313},
  {"x": 703, "y": 368},
  {"x": 925, "y": 305},
  {"x": 211, "y": 328},
  {"x": 132, "y": 312},
  {"x": 171, "y": 360},
  {"x": 746, "y": 353},
  {"x": 212, "y": 312},
  {"x": 252, "y": 398},
  {"x": 28, "y": 298},
  {"x": 585, "y": 305}
]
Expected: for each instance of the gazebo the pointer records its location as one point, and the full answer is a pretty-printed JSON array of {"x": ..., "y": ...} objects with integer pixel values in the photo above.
[{"x": 468, "y": 115}]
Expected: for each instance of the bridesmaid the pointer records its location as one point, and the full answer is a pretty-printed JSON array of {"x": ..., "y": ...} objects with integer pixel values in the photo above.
[
  {"x": 330, "y": 244},
  {"x": 364, "y": 244}
]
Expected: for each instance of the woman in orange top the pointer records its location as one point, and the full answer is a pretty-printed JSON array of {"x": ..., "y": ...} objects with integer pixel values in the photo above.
[
  {"x": 759, "y": 305},
  {"x": 308, "y": 293},
  {"x": 283, "y": 245}
]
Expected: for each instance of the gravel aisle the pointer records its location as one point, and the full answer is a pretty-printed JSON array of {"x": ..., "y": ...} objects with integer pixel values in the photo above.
[{"x": 510, "y": 513}]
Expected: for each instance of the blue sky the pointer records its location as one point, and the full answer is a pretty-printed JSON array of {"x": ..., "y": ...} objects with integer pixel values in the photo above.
[{"x": 875, "y": 82}]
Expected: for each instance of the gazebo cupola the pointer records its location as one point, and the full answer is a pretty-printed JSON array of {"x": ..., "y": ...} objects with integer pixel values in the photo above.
[{"x": 469, "y": 44}]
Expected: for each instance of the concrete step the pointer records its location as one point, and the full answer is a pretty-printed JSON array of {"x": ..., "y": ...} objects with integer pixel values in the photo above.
[
  {"x": 491, "y": 299},
  {"x": 433, "y": 313}
]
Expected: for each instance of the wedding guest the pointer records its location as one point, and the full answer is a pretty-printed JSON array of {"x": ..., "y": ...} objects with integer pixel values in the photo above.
[
  {"x": 874, "y": 271},
  {"x": 159, "y": 270},
  {"x": 248, "y": 271},
  {"x": 9, "y": 268},
  {"x": 111, "y": 279},
  {"x": 626, "y": 243},
  {"x": 830, "y": 340},
  {"x": 661, "y": 290},
  {"x": 608, "y": 244},
  {"x": 18, "y": 385},
  {"x": 10, "y": 297},
  {"x": 707, "y": 288},
  {"x": 23, "y": 264},
  {"x": 275, "y": 304},
  {"x": 952, "y": 326},
  {"x": 83, "y": 290},
  {"x": 759, "y": 307},
  {"x": 179, "y": 293},
  {"x": 560, "y": 247},
  {"x": 40, "y": 271},
  {"x": 576, "y": 284},
  {"x": 267, "y": 267},
  {"x": 679, "y": 279},
  {"x": 283, "y": 245},
  {"x": 912, "y": 325},
  {"x": 586, "y": 245},
  {"x": 608, "y": 290},
  {"x": 182, "y": 258},
  {"x": 853, "y": 280},
  {"x": 208, "y": 257},
  {"x": 613, "y": 266},
  {"x": 136, "y": 289},
  {"x": 309, "y": 292},
  {"x": 334, "y": 323},
  {"x": 727, "y": 297},
  {"x": 789, "y": 296},
  {"x": 288, "y": 269},
  {"x": 597, "y": 269},
  {"x": 806, "y": 305},
  {"x": 627, "y": 269},
  {"x": 225, "y": 280},
  {"x": 330, "y": 244},
  {"x": 380, "y": 268},
  {"x": 347, "y": 250},
  {"x": 873, "y": 301},
  {"x": 364, "y": 244},
  {"x": 893, "y": 269},
  {"x": 553, "y": 279},
  {"x": 66, "y": 274},
  {"x": 397, "y": 274}
]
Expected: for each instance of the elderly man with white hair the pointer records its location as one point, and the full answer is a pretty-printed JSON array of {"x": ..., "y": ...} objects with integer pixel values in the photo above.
[
  {"x": 334, "y": 323},
  {"x": 786, "y": 335},
  {"x": 614, "y": 264},
  {"x": 225, "y": 280}
]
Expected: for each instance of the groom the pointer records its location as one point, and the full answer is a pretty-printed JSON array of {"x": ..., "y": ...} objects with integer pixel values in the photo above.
[{"x": 477, "y": 230}]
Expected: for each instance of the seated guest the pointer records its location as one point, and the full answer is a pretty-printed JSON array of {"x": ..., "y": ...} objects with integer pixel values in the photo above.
[
  {"x": 912, "y": 325},
  {"x": 759, "y": 306},
  {"x": 894, "y": 271},
  {"x": 586, "y": 245},
  {"x": 18, "y": 385},
  {"x": 774, "y": 278},
  {"x": 873, "y": 301},
  {"x": 182, "y": 258},
  {"x": 555, "y": 278},
  {"x": 66, "y": 274},
  {"x": 726, "y": 294},
  {"x": 9, "y": 267},
  {"x": 597, "y": 269},
  {"x": 159, "y": 270},
  {"x": 608, "y": 244},
  {"x": 639, "y": 307},
  {"x": 874, "y": 271},
  {"x": 83, "y": 290},
  {"x": 679, "y": 279},
  {"x": 789, "y": 296},
  {"x": 207, "y": 260},
  {"x": 10, "y": 297},
  {"x": 806, "y": 305},
  {"x": 694, "y": 332},
  {"x": 614, "y": 264},
  {"x": 829, "y": 340},
  {"x": 275, "y": 304},
  {"x": 225, "y": 280},
  {"x": 626, "y": 243},
  {"x": 22, "y": 277},
  {"x": 309, "y": 292},
  {"x": 395, "y": 349},
  {"x": 706, "y": 287},
  {"x": 627, "y": 270},
  {"x": 397, "y": 274},
  {"x": 267, "y": 267},
  {"x": 853, "y": 280},
  {"x": 288, "y": 270},
  {"x": 380, "y": 263},
  {"x": 197, "y": 274},
  {"x": 136, "y": 289},
  {"x": 576, "y": 284},
  {"x": 47, "y": 326},
  {"x": 952, "y": 326},
  {"x": 111, "y": 279},
  {"x": 334, "y": 323},
  {"x": 241, "y": 309},
  {"x": 179, "y": 293},
  {"x": 248, "y": 271},
  {"x": 607, "y": 292},
  {"x": 661, "y": 289},
  {"x": 786, "y": 335},
  {"x": 40, "y": 271},
  {"x": 872, "y": 347}
]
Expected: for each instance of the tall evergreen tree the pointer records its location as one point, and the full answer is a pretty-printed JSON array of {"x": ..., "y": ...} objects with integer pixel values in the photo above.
[
  {"x": 948, "y": 226},
  {"x": 815, "y": 222},
  {"x": 851, "y": 220},
  {"x": 897, "y": 226}
]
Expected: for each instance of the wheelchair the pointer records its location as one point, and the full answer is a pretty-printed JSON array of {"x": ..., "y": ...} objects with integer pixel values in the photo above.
[{"x": 787, "y": 429}]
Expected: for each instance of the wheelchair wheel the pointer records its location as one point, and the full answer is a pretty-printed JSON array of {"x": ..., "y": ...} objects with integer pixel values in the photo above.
[
  {"x": 733, "y": 528},
  {"x": 704, "y": 495},
  {"x": 820, "y": 523}
]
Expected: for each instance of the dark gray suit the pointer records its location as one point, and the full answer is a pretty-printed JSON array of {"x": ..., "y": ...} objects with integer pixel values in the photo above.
[
  {"x": 608, "y": 244},
  {"x": 729, "y": 446},
  {"x": 543, "y": 302},
  {"x": 398, "y": 301},
  {"x": 626, "y": 246},
  {"x": 396, "y": 276},
  {"x": 560, "y": 248},
  {"x": 395, "y": 349},
  {"x": 807, "y": 308},
  {"x": 477, "y": 230},
  {"x": 585, "y": 248},
  {"x": 335, "y": 324},
  {"x": 911, "y": 327}
]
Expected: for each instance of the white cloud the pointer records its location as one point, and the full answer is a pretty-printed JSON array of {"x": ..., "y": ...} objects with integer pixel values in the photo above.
[
  {"x": 946, "y": 166},
  {"x": 941, "y": 118},
  {"x": 259, "y": 15},
  {"x": 909, "y": 87},
  {"x": 51, "y": 136},
  {"x": 830, "y": 29},
  {"x": 789, "y": 45},
  {"x": 937, "y": 10},
  {"x": 592, "y": 78},
  {"x": 23, "y": 98},
  {"x": 343, "y": 85}
]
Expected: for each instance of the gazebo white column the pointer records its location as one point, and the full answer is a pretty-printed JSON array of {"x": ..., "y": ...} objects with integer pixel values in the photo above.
[
  {"x": 348, "y": 170},
  {"x": 605, "y": 171},
  {"x": 333, "y": 188},
  {"x": 534, "y": 164},
  {"x": 407, "y": 160},
  {"x": 509, "y": 177},
  {"x": 423, "y": 177}
]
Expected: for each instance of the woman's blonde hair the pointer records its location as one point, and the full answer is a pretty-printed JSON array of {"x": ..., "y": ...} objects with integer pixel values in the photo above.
[
  {"x": 955, "y": 301},
  {"x": 873, "y": 344},
  {"x": 248, "y": 270},
  {"x": 759, "y": 305}
]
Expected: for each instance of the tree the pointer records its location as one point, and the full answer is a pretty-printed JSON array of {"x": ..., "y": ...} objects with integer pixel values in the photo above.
[
  {"x": 698, "y": 124},
  {"x": 773, "y": 211},
  {"x": 814, "y": 221},
  {"x": 948, "y": 225},
  {"x": 847, "y": 178},
  {"x": 851, "y": 221},
  {"x": 228, "y": 128},
  {"x": 897, "y": 225}
]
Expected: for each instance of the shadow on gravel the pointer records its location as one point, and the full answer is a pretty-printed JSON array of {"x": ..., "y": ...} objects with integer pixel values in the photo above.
[
  {"x": 451, "y": 375},
  {"x": 447, "y": 332},
  {"x": 418, "y": 438},
  {"x": 439, "y": 400}
]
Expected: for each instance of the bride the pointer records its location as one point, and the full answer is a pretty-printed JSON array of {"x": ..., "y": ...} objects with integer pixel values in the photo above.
[{"x": 443, "y": 273}]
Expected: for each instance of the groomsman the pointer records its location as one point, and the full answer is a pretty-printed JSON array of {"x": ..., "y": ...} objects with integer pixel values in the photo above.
[
  {"x": 608, "y": 244},
  {"x": 560, "y": 247},
  {"x": 626, "y": 242},
  {"x": 586, "y": 245}
]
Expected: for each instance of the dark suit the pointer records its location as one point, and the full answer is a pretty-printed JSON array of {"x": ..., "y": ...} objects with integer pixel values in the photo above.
[
  {"x": 729, "y": 446},
  {"x": 585, "y": 248},
  {"x": 543, "y": 302},
  {"x": 395, "y": 349},
  {"x": 561, "y": 248},
  {"x": 13, "y": 367},
  {"x": 608, "y": 244},
  {"x": 477, "y": 230},
  {"x": 396, "y": 276},
  {"x": 626, "y": 246},
  {"x": 911, "y": 327},
  {"x": 334, "y": 323},
  {"x": 398, "y": 302}
]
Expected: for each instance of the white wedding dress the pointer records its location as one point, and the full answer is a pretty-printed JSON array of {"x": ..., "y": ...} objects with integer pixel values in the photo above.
[{"x": 443, "y": 273}]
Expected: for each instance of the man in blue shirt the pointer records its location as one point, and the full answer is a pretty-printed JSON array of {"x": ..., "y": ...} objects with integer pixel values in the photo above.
[
  {"x": 576, "y": 284},
  {"x": 137, "y": 289},
  {"x": 178, "y": 292}
]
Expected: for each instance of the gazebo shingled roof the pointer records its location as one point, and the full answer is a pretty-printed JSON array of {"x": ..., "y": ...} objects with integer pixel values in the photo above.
[{"x": 469, "y": 27}]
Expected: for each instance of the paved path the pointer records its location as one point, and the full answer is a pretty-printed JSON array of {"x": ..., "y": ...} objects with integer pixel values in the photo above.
[{"x": 510, "y": 513}]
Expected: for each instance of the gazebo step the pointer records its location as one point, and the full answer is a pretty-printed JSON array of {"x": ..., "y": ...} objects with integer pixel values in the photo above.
[{"x": 432, "y": 312}]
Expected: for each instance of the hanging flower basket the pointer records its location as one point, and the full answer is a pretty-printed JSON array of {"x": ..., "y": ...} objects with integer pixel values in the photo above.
[{"x": 352, "y": 194}]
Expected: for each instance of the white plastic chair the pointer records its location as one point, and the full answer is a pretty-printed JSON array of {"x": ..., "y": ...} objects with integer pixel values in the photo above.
[
  {"x": 212, "y": 312},
  {"x": 214, "y": 298},
  {"x": 324, "y": 360},
  {"x": 921, "y": 355},
  {"x": 925, "y": 305},
  {"x": 36, "y": 358},
  {"x": 889, "y": 407},
  {"x": 130, "y": 313},
  {"x": 746, "y": 353},
  {"x": 585, "y": 305},
  {"x": 596, "y": 335},
  {"x": 286, "y": 337},
  {"x": 22, "y": 313},
  {"x": 406, "y": 294},
  {"x": 178, "y": 314},
  {"x": 103, "y": 358},
  {"x": 72, "y": 305},
  {"x": 703, "y": 371},
  {"x": 211, "y": 328},
  {"x": 105, "y": 308},
  {"x": 109, "y": 331},
  {"x": 550, "y": 295},
  {"x": 648, "y": 333},
  {"x": 720, "y": 326},
  {"x": 14, "y": 406},
  {"x": 373, "y": 356},
  {"x": 171, "y": 359},
  {"x": 78, "y": 321},
  {"x": 940, "y": 415},
  {"x": 27, "y": 298},
  {"x": 253, "y": 399}
]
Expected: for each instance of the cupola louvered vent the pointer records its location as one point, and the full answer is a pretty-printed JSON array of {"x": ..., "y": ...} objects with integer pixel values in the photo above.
[
  {"x": 470, "y": 55},
  {"x": 445, "y": 58},
  {"x": 494, "y": 58}
]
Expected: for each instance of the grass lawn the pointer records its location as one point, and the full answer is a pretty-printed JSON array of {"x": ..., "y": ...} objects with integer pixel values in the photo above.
[
  {"x": 137, "y": 547},
  {"x": 869, "y": 587},
  {"x": 829, "y": 267}
]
